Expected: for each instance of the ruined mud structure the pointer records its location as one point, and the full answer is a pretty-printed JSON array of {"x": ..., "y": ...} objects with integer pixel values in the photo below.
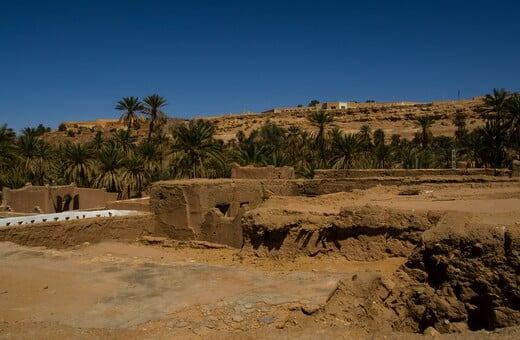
[
  {"x": 461, "y": 273},
  {"x": 463, "y": 260},
  {"x": 50, "y": 199}
]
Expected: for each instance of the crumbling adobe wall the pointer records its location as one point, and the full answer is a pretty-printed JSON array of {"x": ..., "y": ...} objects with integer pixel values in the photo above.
[
  {"x": 90, "y": 198},
  {"x": 49, "y": 199},
  {"x": 316, "y": 187},
  {"x": 361, "y": 233},
  {"x": 138, "y": 204},
  {"x": 360, "y": 173},
  {"x": 218, "y": 228},
  {"x": 182, "y": 207},
  {"x": 266, "y": 172},
  {"x": 63, "y": 234},
  {"x": 27, "y": 198}
]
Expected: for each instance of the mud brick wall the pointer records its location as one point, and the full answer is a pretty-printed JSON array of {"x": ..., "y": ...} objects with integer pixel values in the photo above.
[
  {"x": 211, "y": 210},
  {"x": 360, "y": 173},
  {"x": 267, "y": 172}
]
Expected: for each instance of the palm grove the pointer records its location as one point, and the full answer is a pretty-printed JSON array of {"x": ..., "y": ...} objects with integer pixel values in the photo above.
[{"x": 121, "y": 162}]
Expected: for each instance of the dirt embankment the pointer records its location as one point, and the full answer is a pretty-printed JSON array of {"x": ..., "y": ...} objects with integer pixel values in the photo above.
[
  {"x": 462, "y": 244},
  {"x": 362, "y": 233},
  {"x": 63, "y": 234},
  {"x": 458, "y": 278},
  {"x": 463, "y": 276}
]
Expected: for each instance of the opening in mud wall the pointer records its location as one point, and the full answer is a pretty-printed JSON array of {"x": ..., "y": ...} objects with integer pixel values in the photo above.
[
  {"x": 224, "y": 208},
  {"x": 63, "y": 203},
  {"x": 75, "y": 202},
  {"x": 481, "y": 315},
  {"x": 271, "y": 239}
]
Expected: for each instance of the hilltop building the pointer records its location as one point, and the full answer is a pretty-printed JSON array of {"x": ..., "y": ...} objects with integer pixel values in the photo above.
[{"x": 318, "y": 107}]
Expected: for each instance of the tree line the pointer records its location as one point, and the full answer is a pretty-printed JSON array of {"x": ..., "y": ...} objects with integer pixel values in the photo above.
[{"x": 123, "y": 163}]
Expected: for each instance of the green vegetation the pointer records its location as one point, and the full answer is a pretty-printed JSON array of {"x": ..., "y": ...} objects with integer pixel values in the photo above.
[
  {"x": 130, "y": 106},
  {"x": 153, "y": 107},
  {"x": 122, "y": 162},
  {"x": 314, "y": 102}
]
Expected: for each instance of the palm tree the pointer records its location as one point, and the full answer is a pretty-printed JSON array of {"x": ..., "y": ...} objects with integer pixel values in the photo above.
[
  {"x": 442, "y": 147},
  {"x": 78, "y": 163},
  {"x": 98, "y": 140},
  {"x": 346, "y": 147},
  {"x": 408, "y": 155},
  {"x": 495, "y": 104},
  {"x": 425, "y": 122},
  {"x": 152, "y": 156},
  {"x": 9, "y": 155},
  {"x": 162, "y": 142},
  {"x": 459, "y": 120},
  {"x": 365, "y": 138},
  {"x": 43, "y": 160},
  {"x": 125, "y": 141},
  {"x": 135, "y": 175},
  {"x": 395, "y": 140},
  {"x": 294, "y": 140},
  {"x": 513, "y": 107},
  {"x": 379, "y": 137},
  {"x": 382, "y": 155},
  {"x": 240, "y": 136},
  {"x": 37, "y": 131},
  {"x": 28, "y": 144},
  {"x": 251, "y": 154},
  {"x": 153, "y": 105},
  {"x": 195, "y": 143},
  {"x": 321, "y": 120},
  {"x": 278, "y": 158},
  {"x": 129, "y": 106},
  {"x": 8, "y": 147},
  {"x": 110, "y": 160},
  {"x": 272, "y": 137},
  {"x": 496, "y": 130},
  {"x": 494, "y": 134},
  {"x": 476, "y": 149}
]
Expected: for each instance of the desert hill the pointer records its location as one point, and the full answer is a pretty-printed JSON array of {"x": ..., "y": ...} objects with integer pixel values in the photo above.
[{"x": 392, "y": 118}]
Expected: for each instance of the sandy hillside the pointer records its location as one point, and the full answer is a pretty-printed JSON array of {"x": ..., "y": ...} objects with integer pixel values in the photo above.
[{"x": 393, "y": 118}]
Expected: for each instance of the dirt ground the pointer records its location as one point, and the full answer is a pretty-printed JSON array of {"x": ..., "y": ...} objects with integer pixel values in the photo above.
[
  {"x": 173, "y": 290},
  {"x": 486, "y": 202}
]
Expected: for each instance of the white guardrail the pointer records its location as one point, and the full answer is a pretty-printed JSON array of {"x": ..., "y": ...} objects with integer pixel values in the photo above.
[{"x": 64, "y": 216}]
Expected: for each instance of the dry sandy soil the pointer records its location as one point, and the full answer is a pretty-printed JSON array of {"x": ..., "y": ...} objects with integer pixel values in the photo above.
[{"x": 180, "y": 290}]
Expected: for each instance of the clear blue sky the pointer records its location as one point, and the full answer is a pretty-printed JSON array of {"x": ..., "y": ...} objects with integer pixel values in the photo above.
[{"x": 72, "y": 60}]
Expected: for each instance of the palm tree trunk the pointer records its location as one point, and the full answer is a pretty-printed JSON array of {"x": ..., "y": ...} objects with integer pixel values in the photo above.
[{"x": 150, "y": 129}]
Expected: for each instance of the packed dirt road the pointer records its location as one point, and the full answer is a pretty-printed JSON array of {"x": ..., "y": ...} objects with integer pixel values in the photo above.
[{"x": 116, "y": 287}]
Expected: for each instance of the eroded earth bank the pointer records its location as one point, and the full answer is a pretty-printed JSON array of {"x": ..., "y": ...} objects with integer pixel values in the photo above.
[{"x": 400, "y": 261}]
